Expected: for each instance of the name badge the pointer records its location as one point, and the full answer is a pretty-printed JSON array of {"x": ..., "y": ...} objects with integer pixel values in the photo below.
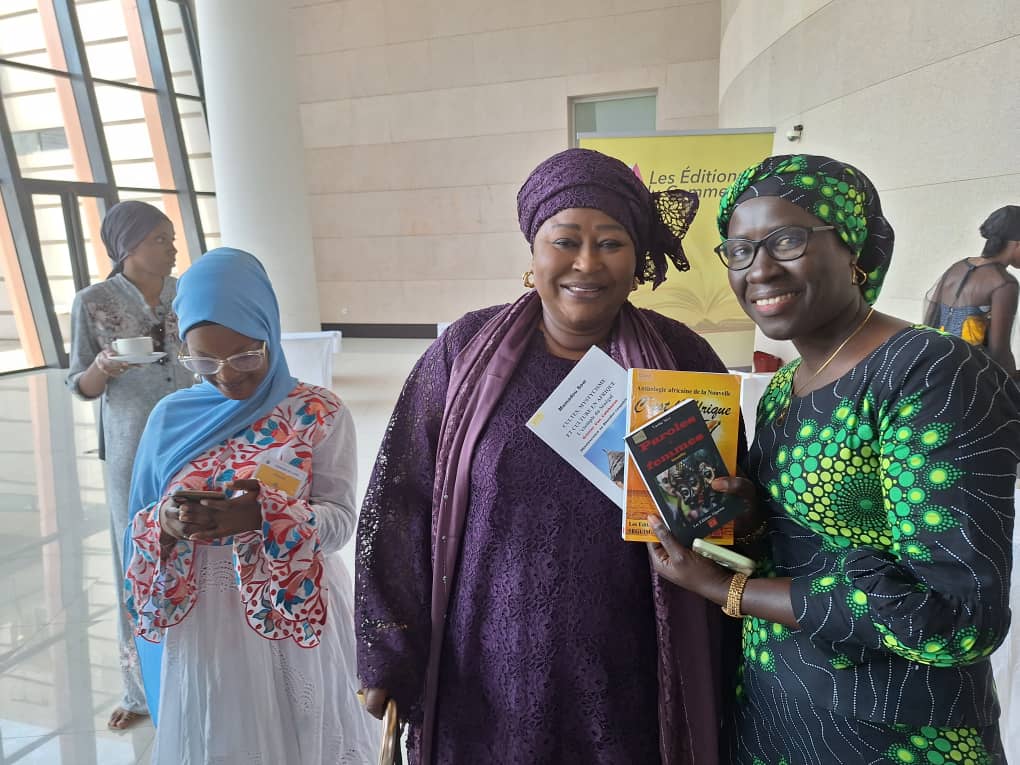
[{"x": 281, "y": 476}]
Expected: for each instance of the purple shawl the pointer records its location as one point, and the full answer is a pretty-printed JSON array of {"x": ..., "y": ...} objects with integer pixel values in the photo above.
[{"x": 689, "y": 662}]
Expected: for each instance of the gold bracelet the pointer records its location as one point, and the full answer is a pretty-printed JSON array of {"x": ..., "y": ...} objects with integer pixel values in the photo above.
[{"x": 735, "y": 595}]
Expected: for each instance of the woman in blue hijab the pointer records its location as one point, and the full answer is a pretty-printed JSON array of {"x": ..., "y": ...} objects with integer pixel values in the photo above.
[{"x": 242, "y": 612}]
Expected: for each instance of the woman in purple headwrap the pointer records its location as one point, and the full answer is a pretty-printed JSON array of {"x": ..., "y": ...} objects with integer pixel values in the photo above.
[
  {"x": 495, "y": 601},
  {"x": 135, "y": 301},
  {"x": 884, "y": 459}
]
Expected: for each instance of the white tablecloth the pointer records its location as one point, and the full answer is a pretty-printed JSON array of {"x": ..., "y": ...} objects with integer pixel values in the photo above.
[
  {"x": 310, "y": 355},
  {"x": 752, "y": 386}
]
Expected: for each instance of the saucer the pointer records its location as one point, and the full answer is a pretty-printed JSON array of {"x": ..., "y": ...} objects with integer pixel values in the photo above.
[{"x": 138, "y": 358}]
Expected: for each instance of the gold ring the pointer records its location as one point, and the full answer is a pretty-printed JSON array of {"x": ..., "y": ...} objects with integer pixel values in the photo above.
[{"x": 361, "y": 696}]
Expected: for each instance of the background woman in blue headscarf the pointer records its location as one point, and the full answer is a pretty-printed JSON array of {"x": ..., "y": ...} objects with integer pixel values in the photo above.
[
  {"x": 884, "y": 461},
  {"x": 135, "y": 301},
  {"x": 247, "y": 600}
]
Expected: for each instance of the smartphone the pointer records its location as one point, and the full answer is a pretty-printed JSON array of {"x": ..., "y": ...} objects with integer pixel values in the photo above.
[
  {"x": 724, "y": 557},
  {"x": 188, "y": 495}
]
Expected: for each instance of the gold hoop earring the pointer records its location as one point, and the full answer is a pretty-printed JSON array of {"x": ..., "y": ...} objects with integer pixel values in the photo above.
[
  {"x": 857, "y": 274},
  {"x": 529, "y": 279}
]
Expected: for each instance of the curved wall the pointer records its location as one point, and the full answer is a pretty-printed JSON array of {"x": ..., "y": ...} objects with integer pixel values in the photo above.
[{"x": 923, "y": 95}]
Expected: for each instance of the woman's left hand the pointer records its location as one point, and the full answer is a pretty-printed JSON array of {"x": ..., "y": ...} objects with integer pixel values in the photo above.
[
  {"x": 228, "y": 516},
  {"x": 684, "y": 567}
]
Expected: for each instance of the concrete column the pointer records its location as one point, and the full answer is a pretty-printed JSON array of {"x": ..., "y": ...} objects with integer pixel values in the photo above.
[{"x": 248, "y": 67}]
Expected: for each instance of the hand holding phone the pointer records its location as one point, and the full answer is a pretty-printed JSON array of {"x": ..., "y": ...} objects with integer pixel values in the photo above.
[
  {"x": 239, "y": 514},
  {"x": 186, "y": 516},
  {"x": 189, "y": 495},
  {"x": 724, "y": 557},
  {"x": 181, "y": 517}
]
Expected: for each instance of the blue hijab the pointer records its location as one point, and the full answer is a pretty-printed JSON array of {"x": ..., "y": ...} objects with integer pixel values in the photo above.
[{"x": 231, "y": 288}]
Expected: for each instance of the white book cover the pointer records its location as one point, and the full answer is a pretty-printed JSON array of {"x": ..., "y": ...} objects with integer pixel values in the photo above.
[{"x": 585, "y": 421}]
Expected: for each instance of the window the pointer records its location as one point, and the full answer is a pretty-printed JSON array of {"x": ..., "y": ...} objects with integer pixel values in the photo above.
[
  {"x": 100, "y": 101},
  {"x": 625, "y": 113},
  {"x": 19, "y": 342}
]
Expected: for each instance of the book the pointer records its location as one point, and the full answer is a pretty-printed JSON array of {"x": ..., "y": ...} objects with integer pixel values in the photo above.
[
  {"x": 584, "y": 420},
  {"x": 650, "y": 392},
  {"x": 677, "y": 459}
]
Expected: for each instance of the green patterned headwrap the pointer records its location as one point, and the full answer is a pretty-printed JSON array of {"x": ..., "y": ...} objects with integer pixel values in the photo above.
[{"x": 832, "y": 191}]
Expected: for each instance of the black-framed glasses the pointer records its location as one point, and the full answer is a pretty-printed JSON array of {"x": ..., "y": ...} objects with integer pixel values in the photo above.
[
  {"x": 783, "y": 244},
  {"x": 246, "y": 361}
]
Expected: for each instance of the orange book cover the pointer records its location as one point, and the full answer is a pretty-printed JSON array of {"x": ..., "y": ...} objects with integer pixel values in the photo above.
[{"x": 650, "y": 393}]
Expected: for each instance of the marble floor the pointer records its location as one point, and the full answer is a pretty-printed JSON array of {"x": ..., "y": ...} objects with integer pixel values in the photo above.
[{"x": 58, "y": 660}]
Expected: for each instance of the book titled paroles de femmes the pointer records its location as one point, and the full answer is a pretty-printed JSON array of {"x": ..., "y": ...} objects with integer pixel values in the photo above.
[
  {"x": 677, "y": 459},
  {"x": 651, "y": 393}
]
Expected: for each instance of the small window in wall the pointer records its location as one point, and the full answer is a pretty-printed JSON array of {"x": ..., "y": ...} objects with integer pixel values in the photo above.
[{"x": 630, "y": 113}]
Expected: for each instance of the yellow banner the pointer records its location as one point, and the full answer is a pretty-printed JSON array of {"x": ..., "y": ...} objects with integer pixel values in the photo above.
[{"x": 706, "y": 163}]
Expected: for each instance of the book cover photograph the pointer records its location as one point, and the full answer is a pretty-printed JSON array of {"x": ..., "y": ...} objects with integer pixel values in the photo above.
[
  {"x": 677, "y": 459},
  {"x": 651, "y": 392},
  {"x": 584, "y": 420}
]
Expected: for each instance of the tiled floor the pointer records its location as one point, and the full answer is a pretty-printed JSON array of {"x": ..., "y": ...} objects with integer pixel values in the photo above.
[{"x": 58, "y": 658}]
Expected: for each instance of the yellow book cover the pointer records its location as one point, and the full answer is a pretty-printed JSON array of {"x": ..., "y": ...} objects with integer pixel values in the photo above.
[{"x": 650, "y": 393}]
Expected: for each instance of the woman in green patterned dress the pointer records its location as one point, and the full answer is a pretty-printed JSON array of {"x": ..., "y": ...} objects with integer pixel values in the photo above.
[{"x": 884, "y": 463}]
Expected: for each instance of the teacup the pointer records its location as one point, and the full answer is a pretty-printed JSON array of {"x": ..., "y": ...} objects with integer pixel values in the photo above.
[{"x": 132, "y": 346}]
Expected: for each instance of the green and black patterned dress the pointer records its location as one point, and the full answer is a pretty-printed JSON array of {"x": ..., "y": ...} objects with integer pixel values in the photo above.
[{"x": 890, "y": 495}]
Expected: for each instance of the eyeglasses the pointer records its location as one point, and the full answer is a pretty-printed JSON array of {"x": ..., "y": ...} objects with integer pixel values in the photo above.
[
  {"x": 783, "y": 244},
  {"x": 248, "y": 361}
]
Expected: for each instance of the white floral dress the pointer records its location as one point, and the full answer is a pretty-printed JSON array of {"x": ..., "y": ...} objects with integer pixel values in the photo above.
[{"x": 258, "y": 660}]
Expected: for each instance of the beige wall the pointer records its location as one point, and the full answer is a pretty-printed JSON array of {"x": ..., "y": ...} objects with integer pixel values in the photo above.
[
  {"x": 923, "y": 95},
  {"x": 421, "y": 118}
]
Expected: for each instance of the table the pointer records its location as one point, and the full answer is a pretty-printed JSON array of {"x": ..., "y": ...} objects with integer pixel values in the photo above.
[
  {"x": 310, "y": 355},
  {"x": 752, "y": 386}
]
